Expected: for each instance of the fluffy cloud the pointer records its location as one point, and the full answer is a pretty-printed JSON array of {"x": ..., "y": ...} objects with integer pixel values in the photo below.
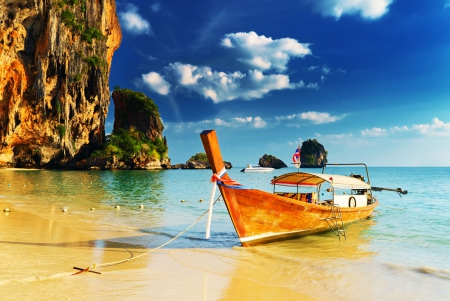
[
  {"x": 234, "y": 122},
  {"x": 156, "y": 82},
  {"x": 253, "y": 122},
  {"x": 399, "y": 129},
  {"x": 369, "y": 9},
  {"x": 336, "y": 136},
  {"x": 264, "y": 53},
  {"x": 324, "y": 69},
  {"x": 260, "y": 53},
  {"x": 221, "y": 86},
  {"x": 374, "y": 132},
  {"x": 295, "y": 120},
  {"x": 436, "y": 128},
  {"x": 319, "y": 118},
  {"x": 132, "y": 21}
]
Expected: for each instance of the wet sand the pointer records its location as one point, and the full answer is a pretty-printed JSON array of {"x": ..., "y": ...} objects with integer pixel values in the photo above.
[{"x": 39, "y": 252}]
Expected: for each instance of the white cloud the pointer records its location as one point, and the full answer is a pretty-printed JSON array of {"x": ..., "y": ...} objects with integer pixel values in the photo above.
[
  {"x": 436, "y": 128},
  {"x": 264, "y": 53},
  {"x": 399, "y": 129},
  {"x": 156, "y": 82},
  {"x": 336, "y": 136},
  {"x": 221, "y": 86},
  {"x": 253, "y": 122},
  {"x": 260, "y": 53},
  {"x": 295, "y": 143},
  {"x": 234, "y": 122},
  {"x": 133, "y": 22},
  {"x": 374, "y": 132},
  {"x": 319, "y": 118},
  {"x": 155, "y": 7},
  {"x": 296, "y": 120},
  {"x": 314, "y": 117},
  {"x": 323, "y": 69},
  {"x": 369, "y": 9}
]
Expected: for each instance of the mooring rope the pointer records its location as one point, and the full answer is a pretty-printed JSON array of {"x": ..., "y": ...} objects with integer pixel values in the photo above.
[{"x": 90, "y": 268}]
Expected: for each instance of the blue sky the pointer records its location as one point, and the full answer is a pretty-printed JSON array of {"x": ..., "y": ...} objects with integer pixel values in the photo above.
[{"x": 369, "y": 79}]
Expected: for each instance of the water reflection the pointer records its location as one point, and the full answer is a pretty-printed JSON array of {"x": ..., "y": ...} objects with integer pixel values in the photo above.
[{"x": 292, "y": 269}]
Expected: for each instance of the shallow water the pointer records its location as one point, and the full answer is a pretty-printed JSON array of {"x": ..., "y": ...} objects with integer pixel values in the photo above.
[{"x": 402, "y": 253}]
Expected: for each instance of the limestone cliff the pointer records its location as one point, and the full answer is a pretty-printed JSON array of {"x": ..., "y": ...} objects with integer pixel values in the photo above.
[{"x": 55, "y": 58}]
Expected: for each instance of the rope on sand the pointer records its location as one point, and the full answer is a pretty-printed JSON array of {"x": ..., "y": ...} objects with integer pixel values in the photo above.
[{"x": 90, "y": 268}]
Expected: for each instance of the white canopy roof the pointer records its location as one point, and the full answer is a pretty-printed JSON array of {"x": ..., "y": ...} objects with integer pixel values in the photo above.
[{"x": 314, "y": 179}]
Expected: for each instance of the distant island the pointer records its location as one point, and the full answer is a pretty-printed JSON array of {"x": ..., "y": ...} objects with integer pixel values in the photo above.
[
  {"x": 271, "y": 161},
  {"x": 198, "y": 161},
  {"x": 313, "y": 154}
]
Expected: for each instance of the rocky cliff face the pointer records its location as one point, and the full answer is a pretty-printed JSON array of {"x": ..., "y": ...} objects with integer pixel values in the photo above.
[{"x": 55, "y": 58}]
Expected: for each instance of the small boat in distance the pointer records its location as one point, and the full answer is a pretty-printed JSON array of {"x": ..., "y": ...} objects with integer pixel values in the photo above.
[
  {"x": 260, "y": 217},
  {"x": 257, "y": 168}
]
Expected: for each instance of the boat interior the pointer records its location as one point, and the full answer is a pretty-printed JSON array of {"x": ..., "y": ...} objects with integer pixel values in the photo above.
[{"x": 350, "y": 198}]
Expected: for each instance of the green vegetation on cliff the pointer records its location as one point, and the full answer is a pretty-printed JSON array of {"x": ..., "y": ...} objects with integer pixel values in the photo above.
[
  {"x": 127, "y": 144},
  {"x": 200, "y": 158}
]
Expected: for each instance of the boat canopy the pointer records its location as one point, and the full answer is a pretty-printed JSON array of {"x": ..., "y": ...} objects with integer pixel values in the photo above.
[{"x": 315, "y": 179}]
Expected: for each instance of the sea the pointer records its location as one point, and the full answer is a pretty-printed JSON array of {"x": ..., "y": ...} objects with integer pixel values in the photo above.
[{"x": 401, "y": 253}]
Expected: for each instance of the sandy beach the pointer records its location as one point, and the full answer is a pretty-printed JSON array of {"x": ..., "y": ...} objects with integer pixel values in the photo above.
[{"x": 39, "y": 253}]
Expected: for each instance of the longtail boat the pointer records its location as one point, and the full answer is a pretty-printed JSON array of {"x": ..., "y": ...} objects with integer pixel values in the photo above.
[{"x": 261, "y": 217}]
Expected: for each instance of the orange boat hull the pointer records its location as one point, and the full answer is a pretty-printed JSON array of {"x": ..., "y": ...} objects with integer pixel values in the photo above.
[{"x": 260, "y": 217}]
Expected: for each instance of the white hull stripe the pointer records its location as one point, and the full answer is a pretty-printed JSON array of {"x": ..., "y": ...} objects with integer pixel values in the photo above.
[{"x": 267, "y": 235}]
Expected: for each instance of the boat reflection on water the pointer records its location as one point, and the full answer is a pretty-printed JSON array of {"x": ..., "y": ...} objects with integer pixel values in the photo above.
[{"x": 295, "y": 269}]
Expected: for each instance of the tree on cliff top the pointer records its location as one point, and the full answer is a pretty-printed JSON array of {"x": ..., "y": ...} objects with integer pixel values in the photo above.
[{"x": 199, "y": 157}]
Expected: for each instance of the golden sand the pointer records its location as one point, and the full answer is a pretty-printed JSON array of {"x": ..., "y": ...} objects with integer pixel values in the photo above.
[{"x": 40, "y": 251}]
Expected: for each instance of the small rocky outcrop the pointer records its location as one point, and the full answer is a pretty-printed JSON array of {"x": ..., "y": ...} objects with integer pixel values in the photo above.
[
  {"x": 198, "y": 161},
  {"x": 271, "y": 161},
  {"x": 313, "y": 154},
  {"x": 199, "y": 165}
]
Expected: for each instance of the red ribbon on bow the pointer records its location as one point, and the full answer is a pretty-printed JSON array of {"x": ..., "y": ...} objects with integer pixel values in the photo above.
[{"x": 215, "y": 177}]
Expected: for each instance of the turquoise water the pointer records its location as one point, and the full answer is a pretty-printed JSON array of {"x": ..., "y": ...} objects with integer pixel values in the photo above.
[{"x": 404, "y": 249}]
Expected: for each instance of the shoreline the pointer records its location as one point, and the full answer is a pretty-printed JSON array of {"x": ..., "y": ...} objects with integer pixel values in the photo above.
[{"x": 40, "y": 250}]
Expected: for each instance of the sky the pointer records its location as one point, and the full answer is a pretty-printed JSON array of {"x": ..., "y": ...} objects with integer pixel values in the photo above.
[{"x": 369, "y": 79}]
